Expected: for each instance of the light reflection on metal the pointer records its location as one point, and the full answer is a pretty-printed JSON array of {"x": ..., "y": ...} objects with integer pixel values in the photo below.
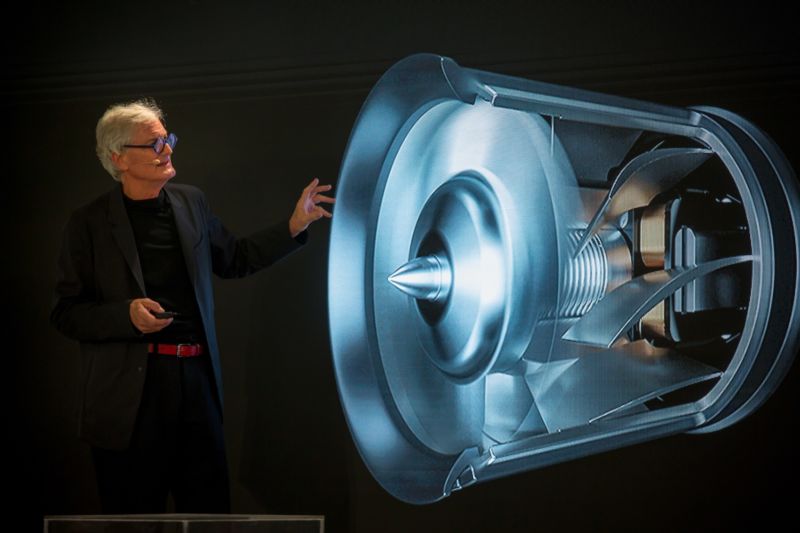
[
  {"x": 623, "y": 307},
  {"x": 641, "y": 180},
  {"x": 654, "y": 322},
  {"x": 426, "y": 278},
  {"x": 517, "y": 274},
  {"x": 652, "y": 236}
]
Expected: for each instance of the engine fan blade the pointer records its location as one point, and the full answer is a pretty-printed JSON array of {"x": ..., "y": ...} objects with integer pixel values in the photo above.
[
  {"x": 644, "y": 177},
  {"x": 603, "y": 382},
  {"x": 625, "y": 305}
]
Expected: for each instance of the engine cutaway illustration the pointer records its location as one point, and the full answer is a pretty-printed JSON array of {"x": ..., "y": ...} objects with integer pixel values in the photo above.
[{"x": 521, "y": 274}]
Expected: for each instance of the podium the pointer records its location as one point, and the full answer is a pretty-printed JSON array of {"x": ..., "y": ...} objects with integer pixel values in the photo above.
[{"x": 184, "y": 523}]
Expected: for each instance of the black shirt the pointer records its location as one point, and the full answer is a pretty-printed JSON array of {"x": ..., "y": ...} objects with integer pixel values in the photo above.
[{"x": 166, "y": 277}]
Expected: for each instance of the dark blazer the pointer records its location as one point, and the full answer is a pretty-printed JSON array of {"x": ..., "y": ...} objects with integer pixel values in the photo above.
[{"x": 99, "y": 274}]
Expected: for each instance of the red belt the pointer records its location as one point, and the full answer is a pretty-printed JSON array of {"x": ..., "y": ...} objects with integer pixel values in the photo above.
[{"x": 181, "y": 350}]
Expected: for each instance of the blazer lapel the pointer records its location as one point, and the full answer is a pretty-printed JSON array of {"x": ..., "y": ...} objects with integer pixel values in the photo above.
[
  {"x": 187, "y": 232},
  {"x": 123, "y": 233}
]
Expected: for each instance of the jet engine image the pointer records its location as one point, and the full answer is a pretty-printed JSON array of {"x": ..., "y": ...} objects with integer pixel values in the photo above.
[{"x": 521, "y": 274}]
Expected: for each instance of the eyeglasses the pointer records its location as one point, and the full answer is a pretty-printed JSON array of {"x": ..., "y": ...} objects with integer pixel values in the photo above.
[{"x": 157, "y": 146}]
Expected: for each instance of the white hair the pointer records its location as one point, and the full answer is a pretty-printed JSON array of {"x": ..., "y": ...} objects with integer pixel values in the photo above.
[{"x": 116, "y": 127}]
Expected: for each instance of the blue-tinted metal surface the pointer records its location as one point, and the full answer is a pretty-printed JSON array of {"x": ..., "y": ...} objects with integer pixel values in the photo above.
[{"x": 493, "y": 311}]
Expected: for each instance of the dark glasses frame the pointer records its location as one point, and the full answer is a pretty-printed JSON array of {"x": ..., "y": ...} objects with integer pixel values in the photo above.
[{"x": 158, "y": 145}]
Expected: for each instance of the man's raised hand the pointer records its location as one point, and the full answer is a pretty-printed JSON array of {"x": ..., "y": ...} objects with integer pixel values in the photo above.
[{"x": 307, "y": 211}]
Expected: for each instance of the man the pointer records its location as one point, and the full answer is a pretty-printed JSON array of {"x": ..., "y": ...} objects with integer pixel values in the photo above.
[{"x": 134, "y": 287}]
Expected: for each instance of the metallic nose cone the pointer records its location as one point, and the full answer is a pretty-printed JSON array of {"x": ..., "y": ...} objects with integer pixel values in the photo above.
[{"x": 425, "y": 278}]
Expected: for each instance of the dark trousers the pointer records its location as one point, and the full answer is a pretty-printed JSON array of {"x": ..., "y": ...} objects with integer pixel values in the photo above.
[{"x": 178, "y": 445}]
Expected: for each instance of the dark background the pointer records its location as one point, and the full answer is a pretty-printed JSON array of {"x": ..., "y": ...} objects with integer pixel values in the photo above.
[{"x": 263, "y": 97}]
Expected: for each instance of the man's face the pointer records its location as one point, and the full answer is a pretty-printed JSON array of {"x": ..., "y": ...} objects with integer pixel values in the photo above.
[{"x": 143, "y": 163}]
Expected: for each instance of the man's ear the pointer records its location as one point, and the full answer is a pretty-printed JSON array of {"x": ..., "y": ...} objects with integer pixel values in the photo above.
[{"x": 120, "y": 161}]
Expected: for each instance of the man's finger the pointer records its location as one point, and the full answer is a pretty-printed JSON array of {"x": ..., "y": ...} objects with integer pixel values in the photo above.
[
  {"x": 311, "y": 190},
  {"x": 158, "y": 321},
  {"x": 323, "y": 198},
  {"x": 307, "y": 189},
  {"x": 155, "y": 324},
  {"x": 147, "y": 303}
]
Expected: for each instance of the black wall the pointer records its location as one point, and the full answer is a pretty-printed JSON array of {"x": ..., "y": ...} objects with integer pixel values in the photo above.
[{"x": 263, "y": 98}]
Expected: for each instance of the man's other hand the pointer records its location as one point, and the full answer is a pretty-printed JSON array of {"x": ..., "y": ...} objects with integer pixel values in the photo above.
[
  {"x": 143, "y": 320},
  {"x": 307, "y": 211}
]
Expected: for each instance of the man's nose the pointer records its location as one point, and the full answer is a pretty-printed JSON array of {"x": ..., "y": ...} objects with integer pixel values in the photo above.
[{"x": 167, "y": 150}]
